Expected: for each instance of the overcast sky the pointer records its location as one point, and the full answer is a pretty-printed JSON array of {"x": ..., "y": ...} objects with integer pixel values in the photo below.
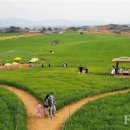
[{"x": 115, "y": 11}]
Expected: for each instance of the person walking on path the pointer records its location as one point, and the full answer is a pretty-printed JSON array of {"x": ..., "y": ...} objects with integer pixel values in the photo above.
[
  {"x": 46, "y": 107},
  {"x": 39, "y": 112},
  {"x": 52, "y": 105}
]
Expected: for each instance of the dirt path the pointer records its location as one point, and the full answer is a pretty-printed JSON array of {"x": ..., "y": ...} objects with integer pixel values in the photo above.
[{"x": 57, "y": 122}]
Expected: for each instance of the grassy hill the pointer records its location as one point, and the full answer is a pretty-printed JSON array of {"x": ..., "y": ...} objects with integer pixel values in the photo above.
[{"x": 92, "y": 50}]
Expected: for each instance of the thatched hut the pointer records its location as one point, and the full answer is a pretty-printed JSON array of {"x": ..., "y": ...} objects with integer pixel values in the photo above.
[
  {"x": 118, "y": 60},
  {"x": 121, "y": 60}
]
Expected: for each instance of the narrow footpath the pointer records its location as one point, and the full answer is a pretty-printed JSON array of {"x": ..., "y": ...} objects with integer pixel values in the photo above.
[{"x": 57, "y": 122}]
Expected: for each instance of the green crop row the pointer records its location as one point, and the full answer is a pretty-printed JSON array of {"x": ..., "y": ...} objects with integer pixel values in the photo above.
[{"x": 12, "y": 112}]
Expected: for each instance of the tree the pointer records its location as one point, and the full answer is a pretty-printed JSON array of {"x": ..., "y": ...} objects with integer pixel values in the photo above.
[
  {"x": 43, "y": 30},
  {"x": 12, "y": 29},
  {"x": 49, "y": 29},
  {"x": 26, "y": 29},
  {"x": 74, "y": 28}
]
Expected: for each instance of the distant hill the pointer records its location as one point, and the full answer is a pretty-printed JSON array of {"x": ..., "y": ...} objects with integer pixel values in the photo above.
[
  {"x": 110, "y": 28},
  {"x": 53, "y": 23}
]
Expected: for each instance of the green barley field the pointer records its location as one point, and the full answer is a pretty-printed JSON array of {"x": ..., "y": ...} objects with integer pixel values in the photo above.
[
  {"x": 94, "y": 51},
  {"x": 103, "y": 114},
  {"x": 12, "y": 113}
]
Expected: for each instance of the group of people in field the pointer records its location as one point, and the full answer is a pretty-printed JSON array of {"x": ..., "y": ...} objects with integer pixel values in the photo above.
[
  {"x": 48, "y": 107},
  {"x": 116, "y": 70},
  {"x": 82, "y": 69}
]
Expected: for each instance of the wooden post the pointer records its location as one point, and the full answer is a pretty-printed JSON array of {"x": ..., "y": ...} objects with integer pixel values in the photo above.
[{"x": 117, "y": 67}]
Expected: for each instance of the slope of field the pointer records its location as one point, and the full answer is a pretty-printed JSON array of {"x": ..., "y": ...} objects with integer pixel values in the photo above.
[
  {"x": 12, "y": 113},
  {"x": 103, "y": 114},
  {"x": 93, "y": 50}
]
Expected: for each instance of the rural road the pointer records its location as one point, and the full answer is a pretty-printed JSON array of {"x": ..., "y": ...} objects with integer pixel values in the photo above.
[{"x": 57, "y": 122}]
